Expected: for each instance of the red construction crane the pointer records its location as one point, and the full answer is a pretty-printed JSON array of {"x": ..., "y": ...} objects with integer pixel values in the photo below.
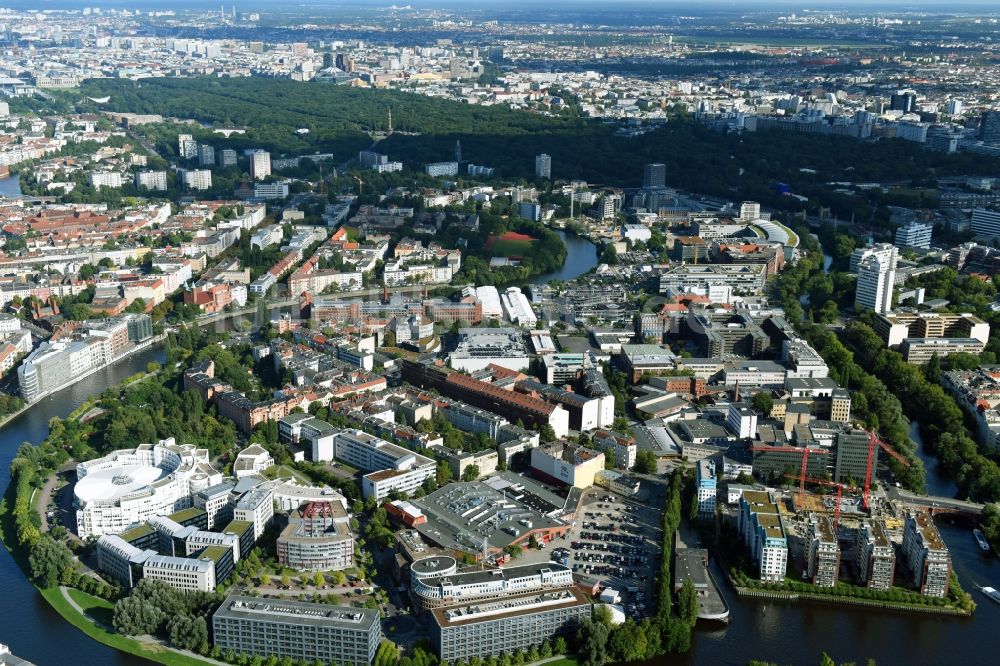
[
  {"x": 874, "y": 442},
  {"x": 841, "y": 487},
  {"x": 803, "y": 451}
]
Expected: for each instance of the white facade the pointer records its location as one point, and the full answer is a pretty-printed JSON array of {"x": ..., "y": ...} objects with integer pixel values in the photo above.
[
  {"x": 391, "y": 467},
  {"x": 518, "y": 307},
  {"x": 876, "y": 278},
  {"x": 742, "y": 420},
  {"x": 152, "y": 180},
  {"x": 256, "y": 507},
  {"x": 129, "y": 487},
  {"x": 101, "y": 179},
  {"x": 260, "y": 164},
  {"x": 197, "y": 179},
  {"x": 181, "y": 572},
  {"x": 914, "y": 234}
]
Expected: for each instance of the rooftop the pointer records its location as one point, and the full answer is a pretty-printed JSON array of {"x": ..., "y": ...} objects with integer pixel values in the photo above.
[
  {"x": 298, "y": 613},
  {"x": 525, "y": 604}
]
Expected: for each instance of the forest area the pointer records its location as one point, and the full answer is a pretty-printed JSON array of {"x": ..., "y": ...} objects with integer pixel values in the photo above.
[{"x": 697, "y": 158}]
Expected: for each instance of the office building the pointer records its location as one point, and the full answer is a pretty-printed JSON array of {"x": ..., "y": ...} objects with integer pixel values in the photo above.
[
  {"x": 876, "y": 279},
  {"x": 989, "y": 127},
  {"x": 181, "y": 573},
  {"x": 926, "y": 554},
  {"x": 127, "y": 487},
  {"x": 390, "y": 467},
  {"x": 903, "y": 100},
  {"x": 852, "y": 456},
  {"x": 120, "y": 560},
  {"x": 654, "y": 175},
  {"x": 318, "y": 538},
  {"x": 435, "y": 581},
  {"x": 312, "y": 433},
  {"x": 303, "y": 632},
  {"x": 257, "y": 508},
  {"x": 260, "y": 164},
  {"x": 543, "y": 166},
  {"x": 899, "y": 327},
  {"x": 717, "y": 282},
  {"x": 762, "y": 533},
  {"x": 484, "y": 462},
  {"x": 823, "y": 558},
  {"x": 151, "y": 180},
  {"x": 742, "y": 420},
  {"x": 876, "y": 556},
  {"x": 55, "y": 365},
  {"x": 914, "y": 234},
  {"x": 216, "y": 501},
  {"x": 986, "y": 222},
  {"x": 465, "y": 632},
  {"x": 270, "y": 190},
  {"x": 840, "y": 406},
  {"x": 707, "y": 488}
]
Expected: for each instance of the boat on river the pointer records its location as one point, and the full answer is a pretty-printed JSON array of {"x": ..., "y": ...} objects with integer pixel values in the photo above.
[{"x": 984, "y": 545}]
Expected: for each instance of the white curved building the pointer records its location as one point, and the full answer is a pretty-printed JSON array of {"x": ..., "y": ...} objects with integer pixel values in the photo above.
[
  {"x": 435, "y": 581},
  {"x": 128, "y": 487}
]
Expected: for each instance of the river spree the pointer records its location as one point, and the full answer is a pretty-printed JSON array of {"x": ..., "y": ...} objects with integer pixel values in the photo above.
[
  {"x": 785, "y": 633},
  {"x": 30, "y": 627},
  {"x": 581, "y": 256}
]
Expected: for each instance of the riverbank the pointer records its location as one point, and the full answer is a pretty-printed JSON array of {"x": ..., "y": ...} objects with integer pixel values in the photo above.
[
  {"x": 835, "y": 600},
  {"x": 91, "y": 626},
  {"x": 145, "y": 344}
]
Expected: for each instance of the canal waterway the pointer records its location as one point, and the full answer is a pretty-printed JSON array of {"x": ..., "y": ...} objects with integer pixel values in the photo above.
[{"x": 30, "y": 627}]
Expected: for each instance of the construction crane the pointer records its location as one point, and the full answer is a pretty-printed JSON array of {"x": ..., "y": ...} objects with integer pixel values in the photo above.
[
  {"x": 841, "y": 487},
  {"x": 875, "y": 442},
  {"x": 803, "y": 451}
]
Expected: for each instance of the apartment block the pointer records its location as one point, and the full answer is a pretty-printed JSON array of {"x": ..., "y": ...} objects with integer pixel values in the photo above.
[
  {"x": 926, "y": 554},
  {"x": 876, "y": 556},
  {"x": 706, "y": 488},
  {"x": 620, "y": 448},
  {"x": 823, "y": 559},
  {"x": 762, "y": 533}
]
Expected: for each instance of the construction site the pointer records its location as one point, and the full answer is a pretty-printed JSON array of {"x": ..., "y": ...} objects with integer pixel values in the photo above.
[{"x": 833, "y": 532}]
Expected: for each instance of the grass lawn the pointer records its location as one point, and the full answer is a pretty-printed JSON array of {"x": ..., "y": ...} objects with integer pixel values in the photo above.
[
  {"x": 100, "y": 608},
  {"x": 95, "y": 608},
  {"x": 793, "y": 238}
]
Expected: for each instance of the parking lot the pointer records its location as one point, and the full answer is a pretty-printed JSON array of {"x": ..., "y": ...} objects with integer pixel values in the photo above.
[{"x": 617, "y": 542}]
